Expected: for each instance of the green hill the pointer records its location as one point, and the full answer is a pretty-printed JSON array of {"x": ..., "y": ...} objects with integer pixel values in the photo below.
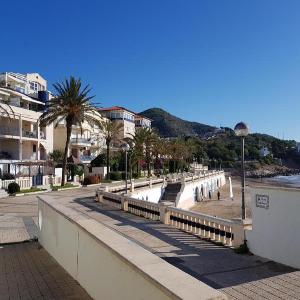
[{"x": 168, "y": 125}]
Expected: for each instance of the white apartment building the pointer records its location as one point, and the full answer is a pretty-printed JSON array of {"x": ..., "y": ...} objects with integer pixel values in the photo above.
[
  {"x": 130, "y": 120},
  {"x": 122, "y": 116},
  {"x": 21, "y": 138},
  {"x": 142, "y": 122},
  {"x": 86, "y": 143}
]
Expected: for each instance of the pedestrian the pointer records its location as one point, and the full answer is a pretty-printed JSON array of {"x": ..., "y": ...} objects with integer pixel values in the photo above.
[{"x": 219, "y": 195}]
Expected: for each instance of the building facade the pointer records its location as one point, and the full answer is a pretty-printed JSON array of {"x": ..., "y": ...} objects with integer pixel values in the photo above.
[
  {"x": 122, "y": 116},
  {"x": 21, "y": 137},
  {"x": 86, "y": 142},
  {"x": 129, "y": 120},
  {"x": 141, "y": 122}
]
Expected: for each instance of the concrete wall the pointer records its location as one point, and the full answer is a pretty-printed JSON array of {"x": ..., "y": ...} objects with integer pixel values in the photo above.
[
  {"x": 97, "y": 171},
  {"x": 149, "y": 194},
  {"x": 108, "y": 265},
  {"x": 275, "y": 229},
  {"x": 186, "y": 197}
]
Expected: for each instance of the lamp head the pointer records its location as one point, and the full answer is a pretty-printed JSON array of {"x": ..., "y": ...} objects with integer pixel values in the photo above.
[
  {"x": 125, "y": 147},
  {"x": 241, "y": 129}
]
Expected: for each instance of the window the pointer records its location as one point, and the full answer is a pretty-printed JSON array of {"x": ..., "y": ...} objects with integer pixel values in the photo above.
[{"x": 34, "y": 148}]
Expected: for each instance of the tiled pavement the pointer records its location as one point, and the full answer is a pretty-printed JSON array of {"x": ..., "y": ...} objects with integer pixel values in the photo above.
[
  {"x": 28, "y": 272},
  {"x": 239, "y": 276},
  {"x": 18, "y": 217}
]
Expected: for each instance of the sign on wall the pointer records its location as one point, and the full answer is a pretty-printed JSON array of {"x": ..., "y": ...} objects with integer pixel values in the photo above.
[{"x": 262, "y": 201}]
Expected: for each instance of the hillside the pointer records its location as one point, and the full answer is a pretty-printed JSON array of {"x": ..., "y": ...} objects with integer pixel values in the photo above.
[{"x": 168, "y": 125}]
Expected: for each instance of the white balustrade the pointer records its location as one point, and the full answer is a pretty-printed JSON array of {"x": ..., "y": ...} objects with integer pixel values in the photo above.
[{"x": 227, "y": 232}]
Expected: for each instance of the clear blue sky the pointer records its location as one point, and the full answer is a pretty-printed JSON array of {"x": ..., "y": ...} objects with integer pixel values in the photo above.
[{"x": 215, "y": 62}]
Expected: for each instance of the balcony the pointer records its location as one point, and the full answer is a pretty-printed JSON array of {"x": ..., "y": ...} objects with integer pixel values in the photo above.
[
  {"x": 81, "y": 142},
  {"x": 6, "y": 130},
  {"x": 87, "y": 158},
  {"x": 29, "y": 134}
]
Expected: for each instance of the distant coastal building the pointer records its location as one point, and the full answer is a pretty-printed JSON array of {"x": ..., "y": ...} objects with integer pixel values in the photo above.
[
  {"x": 298, "y": 147},
  {"x": 23, "y": 141},
  {"x": 264, "y": 151}
]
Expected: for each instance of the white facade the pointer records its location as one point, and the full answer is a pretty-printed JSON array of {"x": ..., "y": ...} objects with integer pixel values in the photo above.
[
  {"x": 21, "y": 137},
  {"x": 122, "y": 116},
  {"x": 142, "y": 122},
  {"x": 298, "y": 147},
  {"x": 86, "y": 142},
  {"x": 275, "y": 224},
  {"x": 264, "y": 151}
]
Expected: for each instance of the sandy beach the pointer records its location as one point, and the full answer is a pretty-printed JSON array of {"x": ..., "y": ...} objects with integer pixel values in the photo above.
[
  {"x": 225, "y": 207},
  {"x": 231, "y": 209}
]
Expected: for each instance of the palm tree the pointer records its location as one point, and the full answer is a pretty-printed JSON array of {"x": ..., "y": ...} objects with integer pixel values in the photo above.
[
  {"x": 111, "y": 131},
  {"x": 71, "y": 104},
  {"x": 144, "y": 141}
]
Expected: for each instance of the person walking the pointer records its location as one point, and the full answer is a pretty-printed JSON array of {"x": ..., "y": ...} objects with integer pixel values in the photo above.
[{"x": 219, "y": 195}]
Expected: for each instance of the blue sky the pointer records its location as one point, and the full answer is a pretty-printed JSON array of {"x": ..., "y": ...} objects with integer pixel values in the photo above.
[{"x": 215, "y": 61}]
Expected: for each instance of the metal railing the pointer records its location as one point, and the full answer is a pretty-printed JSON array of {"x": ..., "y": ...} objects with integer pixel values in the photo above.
[
  {"x": 6, "y": 130},
  {"x": 80, "y": 141},
  {"x": 87, "y": 157},
  {"x": 29, "y": 134}
]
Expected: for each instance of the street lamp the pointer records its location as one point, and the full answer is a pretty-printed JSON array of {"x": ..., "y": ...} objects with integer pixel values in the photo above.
[
  {"x": 125, "y": 147},
  {"x": 241, "y": 129}
]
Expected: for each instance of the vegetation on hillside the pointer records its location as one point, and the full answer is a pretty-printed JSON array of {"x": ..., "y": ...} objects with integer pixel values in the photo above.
[{"x": 168, "y": 125}]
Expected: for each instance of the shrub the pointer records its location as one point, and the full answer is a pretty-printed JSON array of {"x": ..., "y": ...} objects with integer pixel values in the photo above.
[
  {"x": 87, "y": 181},
  {"x": 135, "y": 175},
  {"x": 13, "y": 188},
  {"x": 7, "y": 176},
  {"x": 115, "y": 176},
  {"x": 95, "y": 179},
  {"x": 242, "y": 249}
]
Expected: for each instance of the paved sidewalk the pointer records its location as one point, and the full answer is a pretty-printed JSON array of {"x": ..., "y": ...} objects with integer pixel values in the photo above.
[
  {"x": 238, "y": 276},
  {"x": 18, "y": 218},
  {"x": 27, "y": 272},
  {"x": 19, "y": 215}
]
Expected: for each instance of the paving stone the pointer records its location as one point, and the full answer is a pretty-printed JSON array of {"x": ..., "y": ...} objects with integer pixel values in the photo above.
[{"x": 27, "y": 277}]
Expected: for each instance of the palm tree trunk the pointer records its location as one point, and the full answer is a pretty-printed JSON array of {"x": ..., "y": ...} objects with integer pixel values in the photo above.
[
  {"x": 64, "y": 164},
  {"x": 107, "y": 160}
]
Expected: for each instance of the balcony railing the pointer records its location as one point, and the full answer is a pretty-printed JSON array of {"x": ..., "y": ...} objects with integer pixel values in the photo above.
[
  {"x": 87, "y": 158},
  {"x": 81, "y": 141},
  {"x": 30, "y": 134},
  {"x": 5, "y": 130}
]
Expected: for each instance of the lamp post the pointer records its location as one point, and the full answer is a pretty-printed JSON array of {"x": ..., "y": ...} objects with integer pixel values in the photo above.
[
  {"x": 242, "y": 130},
  {"x": 125, "y": 147}
]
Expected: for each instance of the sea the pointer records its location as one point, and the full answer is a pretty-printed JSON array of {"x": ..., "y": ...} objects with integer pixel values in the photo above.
[{"x": 291, "y": 180}]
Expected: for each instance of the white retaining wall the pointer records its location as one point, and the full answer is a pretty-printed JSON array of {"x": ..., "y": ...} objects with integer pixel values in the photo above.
[
  {"x": 152, "y": 194},
  {"x": 187, "y": 195},
  {"x": 108, "y": 265},
  {"x": 275, "y": 224}
]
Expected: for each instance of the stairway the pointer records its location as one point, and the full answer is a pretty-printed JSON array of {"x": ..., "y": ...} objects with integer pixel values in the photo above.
[
  {"x": 171, "y": 192},
  {"x": 3, "y": 193}
]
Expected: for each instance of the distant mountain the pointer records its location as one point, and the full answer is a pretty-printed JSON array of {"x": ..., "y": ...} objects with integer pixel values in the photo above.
[{"x": 168, "y": 125}]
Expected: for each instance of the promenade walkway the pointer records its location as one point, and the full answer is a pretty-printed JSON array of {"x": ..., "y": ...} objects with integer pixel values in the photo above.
[{"x": 238, "y": 276}]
